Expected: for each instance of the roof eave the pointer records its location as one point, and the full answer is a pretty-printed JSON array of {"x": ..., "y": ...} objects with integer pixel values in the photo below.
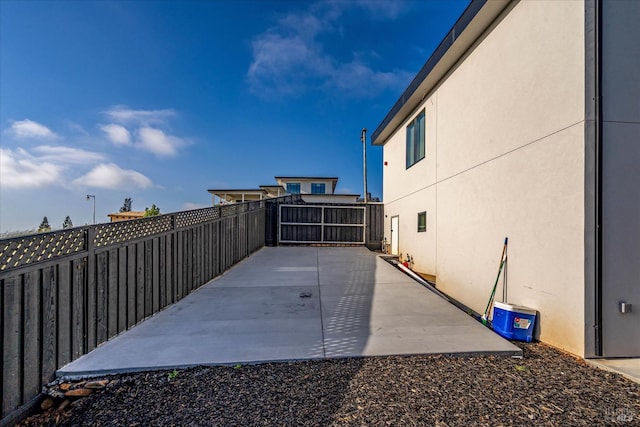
[{"x": 476, "y": 18}]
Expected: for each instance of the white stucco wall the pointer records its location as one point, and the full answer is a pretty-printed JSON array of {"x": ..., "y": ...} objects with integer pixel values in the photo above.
[{"x": 504, "y": 157}]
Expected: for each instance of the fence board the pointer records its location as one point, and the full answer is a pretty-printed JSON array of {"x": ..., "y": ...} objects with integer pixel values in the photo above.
[
  {"x": 112, "y": 294},
  {"x": 148, "y": 276},
  {"x": 139, "y": 281},
  {"x": 192, "y": 260},
  {"x": 155, "y": 273},
  {"x": 12, "y": 344},
  {"x": 216, "y": 250},
  {"x": 179, "y": 265},
  {"x": 162, "y": 268},
  {"x": 63, "y": 314},
  {"x": 122, "y": 289},
  {"x": 170, "y": 282},
  {"x": 78, "y": 311},
  {"x": 91, "y": 322},
  {"x": 210, "y": 252},
  {"x": 32, "y": 333},
  {"x": 131, "y": 285},
  {"x": 196, "y": 258},
  {"x": 102, "y": 283},
  {"x": 50, "y": 308},
  {"x": 188, "y": 280}
]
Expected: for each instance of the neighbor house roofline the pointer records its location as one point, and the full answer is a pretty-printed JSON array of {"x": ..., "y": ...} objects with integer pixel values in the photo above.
[
  {"x": 334, "y": 178},
  {"x": 475, "y": 19},
  {"x": 236, "y": 190}
]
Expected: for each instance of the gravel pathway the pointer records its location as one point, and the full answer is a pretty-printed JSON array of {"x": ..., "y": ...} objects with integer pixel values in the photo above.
[{"x": 546, "y": 387}]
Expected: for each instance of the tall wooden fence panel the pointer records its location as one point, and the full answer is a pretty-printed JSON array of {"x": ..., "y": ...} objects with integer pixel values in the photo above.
[
  {"x": 66, "y": 292},
  {"x": 375, "y": 226},
  {"x": 303, "y": 223}
]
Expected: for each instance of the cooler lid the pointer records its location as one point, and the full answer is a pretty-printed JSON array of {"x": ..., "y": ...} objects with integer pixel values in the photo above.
[{"x": 515, "y": 308}]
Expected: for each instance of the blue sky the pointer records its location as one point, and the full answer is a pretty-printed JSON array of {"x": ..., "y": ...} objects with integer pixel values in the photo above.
[{"x": 161, "y": 100}]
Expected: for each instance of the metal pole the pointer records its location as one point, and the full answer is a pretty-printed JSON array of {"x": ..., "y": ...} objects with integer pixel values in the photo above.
[
  {"x": 91, "y": 196},
  {"x": 363, "y": 138}
]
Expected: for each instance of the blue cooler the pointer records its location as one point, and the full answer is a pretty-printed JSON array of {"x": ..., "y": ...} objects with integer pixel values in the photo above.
[{"x": 513, "y": 322}]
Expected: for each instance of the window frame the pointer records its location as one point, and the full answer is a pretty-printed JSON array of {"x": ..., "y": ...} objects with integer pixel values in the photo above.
[
  {"x": 291, "y": 184},
  {"x": 423, "y": 228},
  {"x": 415, "y": 143},
  {"x": 318, "y": 184}
]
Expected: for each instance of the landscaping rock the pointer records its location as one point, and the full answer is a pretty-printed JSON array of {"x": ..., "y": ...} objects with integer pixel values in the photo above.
[
  {"x": 547, "y": 387},
  {"x": 96, "y": 385},
  {"x": 79, "y": 392},
  {"x": 47, "y": 404}
]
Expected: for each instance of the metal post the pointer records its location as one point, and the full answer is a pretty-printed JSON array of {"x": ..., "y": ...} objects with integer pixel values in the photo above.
[
  {"x": 91, "y": 196},
  {"x": 363, "y": 138}
]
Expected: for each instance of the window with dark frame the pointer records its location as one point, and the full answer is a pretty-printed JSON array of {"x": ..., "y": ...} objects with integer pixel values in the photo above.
[
  {"x": 317, "y": 188},
  {"x": 415, "y": 140},
  {"x": 422, "y": 221},
  {"x": 293, "y": 187}
]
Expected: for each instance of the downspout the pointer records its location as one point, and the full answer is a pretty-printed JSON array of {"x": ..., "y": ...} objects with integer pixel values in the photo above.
[{"x": 598, "y": 178}]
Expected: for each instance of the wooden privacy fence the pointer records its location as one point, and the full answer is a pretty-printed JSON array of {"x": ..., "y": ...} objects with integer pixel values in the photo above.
[
  {"x": 357, "y": 224},
  {"x": 321, "y": 224},
  {"x": 66, "y": 292}
]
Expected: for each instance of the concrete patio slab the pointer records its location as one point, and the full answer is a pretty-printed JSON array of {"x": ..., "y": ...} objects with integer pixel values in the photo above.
[{"x": 292, "y": 303}]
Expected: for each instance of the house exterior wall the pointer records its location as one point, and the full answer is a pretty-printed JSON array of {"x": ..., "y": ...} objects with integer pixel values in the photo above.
[{"x": 504, "y": 157}]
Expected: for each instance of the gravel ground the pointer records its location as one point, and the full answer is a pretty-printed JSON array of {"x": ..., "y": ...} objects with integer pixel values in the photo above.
[{"x": 546, "y": 387}]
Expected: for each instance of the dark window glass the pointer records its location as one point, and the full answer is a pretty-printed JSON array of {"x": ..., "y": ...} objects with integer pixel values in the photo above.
[
  {"x": 422, "y": 222},
  {"x": 415, "y": 140},
  {"x": 317, "y": 188},
  {"x": 293, "y": 187}
]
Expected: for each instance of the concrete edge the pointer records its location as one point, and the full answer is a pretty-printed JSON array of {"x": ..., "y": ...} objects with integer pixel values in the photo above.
[
  {"x": 83, "y": 375},
  {"x": 598, "y": 364}
]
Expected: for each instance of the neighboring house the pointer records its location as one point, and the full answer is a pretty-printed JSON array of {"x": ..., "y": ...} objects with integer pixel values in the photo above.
[
  {"x": 524, "y": 123},
  {"x": 312, "y": 189},
  {"x": 307, "y": 185},
  {"x": 315, "y": 189},
  {"x": 225, "y": 196},
  {"x": 123, "y": 216}
]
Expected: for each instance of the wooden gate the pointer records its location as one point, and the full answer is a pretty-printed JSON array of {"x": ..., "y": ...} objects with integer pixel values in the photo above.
[{"x": 322, "y": 224}]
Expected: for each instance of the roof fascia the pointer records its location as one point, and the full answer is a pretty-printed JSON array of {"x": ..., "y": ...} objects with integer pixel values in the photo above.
[{"x": 476, "y": 18}]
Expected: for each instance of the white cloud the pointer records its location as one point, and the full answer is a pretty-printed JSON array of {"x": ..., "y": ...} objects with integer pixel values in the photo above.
[
  {"x": 20, "y": 170},
  {"x": 111, "y": 176},
  {"x": 125, "y": 115},
  {"x": 117, "y": 134},
  {"x": 29, "y": 129},
  {"x": 289, "y": 58},
  {"x": 146, "y": 132},
  {"x": 157, "y": 142},
  {"x": 69, "y": 155}
]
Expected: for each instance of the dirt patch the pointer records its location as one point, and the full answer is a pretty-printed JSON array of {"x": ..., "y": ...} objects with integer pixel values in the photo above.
[{"x": 546, "y": 387}]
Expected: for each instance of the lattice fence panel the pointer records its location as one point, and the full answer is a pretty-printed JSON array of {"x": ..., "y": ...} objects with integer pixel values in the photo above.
[
  {"x": 124, "y": 231},
  {"x": 21, "y": 251},
  {"x": 198, "y": 216}
]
